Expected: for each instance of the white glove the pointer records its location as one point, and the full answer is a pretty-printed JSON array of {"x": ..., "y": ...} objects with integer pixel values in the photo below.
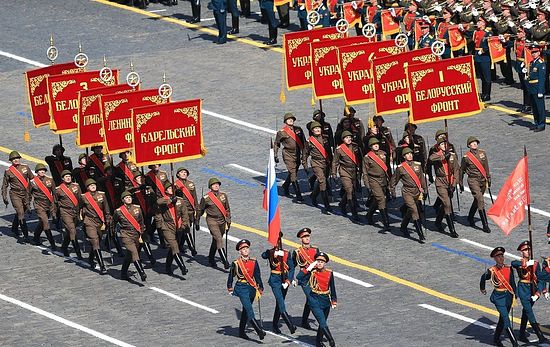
[
  {"x": 531, "y": 262},
  {"x": 285, "y": 285},
  {"x": 294, "y": 283},
  {"x": 493, "y": 18},
  {"x": 540, "y": 97},
  {"x": 547, "y": 296},
  {"x": 533, "y": 5},
  {"x": 426, "y": 19},
  {"x": 333, "y": 306},
  {"x": 501, "y": 38},
  {"x": 511, "y": 24},
  {"x": 475, "y": 12},
  {"x": 392, "y": 11},
  {"x": 480, "y": 52},
  {"x": 230, "y": 293},
  {"x": 311, "y": 266},
  {"x": 534, "y": 298},
  {"x": 279, "y": 253},
  {"x": 438, "y": 8},
  {"x": 302, "y": 7},
  {"x": 461, "y": 27},
  {"x": 354, "y": 5},
  {"x": 528, "y": 25},
  {"x": 459, "y": 8}
]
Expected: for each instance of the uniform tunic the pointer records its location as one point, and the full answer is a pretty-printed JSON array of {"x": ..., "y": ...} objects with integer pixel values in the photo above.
[
  {"x": 42, "y": 204},
  {"x": 410, "y": 191},
  {"x": 94, "y": 225},
  {"x": 68, "y": 211},
  {"x": 292, "y": 151},
  {"x": 130, "y": 235},
  {"x": 347, "y": 168},
  {"x": 19, "y": 194},
  {"x": 501, "y": 297},
  {"x": 215, "y": 220},
  {"x": 375, "y": 178},
  {"x": 319, "y": 164},
  {"x": 476, "y": 181},
  {"x": 282, "y": 271},
  {"x": 321, "y": 293},
  {"x": 243, "y": 289},
  {"x": 446, "y": 172}
]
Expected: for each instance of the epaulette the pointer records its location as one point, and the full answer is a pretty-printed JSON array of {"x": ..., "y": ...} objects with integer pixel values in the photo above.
[
  {"x": 417, "y": 162},
  {"x": 251, "y": 258},
  {"x": 206, "y": 196},
  {"x": 136, "y": 206}
]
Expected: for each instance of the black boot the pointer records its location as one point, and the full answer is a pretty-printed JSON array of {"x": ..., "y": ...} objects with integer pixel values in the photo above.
[
  {"x": 343, "y": 206},
  {"x": 385, "y": 219},
  {"x": 319, "y": 338},
  {"x": 437, "y": 204},
  {"x": 472, "y": 213},
  {"x": 223, "y": 256},
  {"x": 484, "y": 221},
  {"x": 311, "y": 180},
  {"x": 286, "y": 186},
  {"x": 305, "y": 317},
  {"x": 140, "y": 270},
  {"x": 324, "y": 195},
  {"x": 405, "y": 223},
  {"x": 298, "y": 191},
  {"x": 439, "y": 219},
  {"x": 354, "y": 215},
  {"x": 147, "y": 248},
  {"x": 451, "y": 226},
  {"x": 541, "y": 337},
  {"x": 242, "y": 325},
  {"x": 124, "y": 270},
  {"x": 329, "y": 337},
  {"x": 91, "y": 256},
  {"x": 498, "y": 332},
  {"x": 118, "y": 247},
  {"x": 36, "y": 237},
  {"x": 51, "y": 240},
  {"x": 102, "y": 268},
  {"x": 212, "y": 253},
  {"x": 272, "y": 41},
  {"x": 15, "y": 227},
  {"x": 512, "y": 337},
  {"x": 65, "y": 246},
  {"x": 76, "y": 247},
  {"x": 276, "y": 316},
  {"x": 370, "y": 213},
  {"x": 259, "y": 330},
  {"x": 523, "y": 328},
  {"x": 418, "y": 227},
  {"x": 190, "y": 243},
  {"x": 234, "y": 26},
  {"x": 314, "y": 194},
  {"x": 288, "y": 322},
  {"x": 24, "y": 229},
  {"x": 181, "y": 264},
  {"x": 168, "y": 265}
]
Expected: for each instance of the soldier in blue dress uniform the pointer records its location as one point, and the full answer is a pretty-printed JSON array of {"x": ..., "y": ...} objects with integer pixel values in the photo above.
[
  {"x": 535, "y": 83},
  {"x": 482, "y": 58},
  {"x": 220, "y": 15}
]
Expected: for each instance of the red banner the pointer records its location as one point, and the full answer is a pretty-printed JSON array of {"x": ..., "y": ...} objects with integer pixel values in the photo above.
[
  {"x": 350, "y": 14},
  {"x": 37, "y": 90},
  {"x": 117, "y": 117},
  {"x": 90, "y": 123},
  {"x": 355, "y": 66},
  {"x": 325, "y": 68},
  {"x": 168, "y": 133},
  {"x": 442, "y": 89},
  {"x": 390, "y": 24},
  {"x": 297, "y": 54},
  {"x": 496, "y": 51},
  {"x": 63, "y": 94},
  {"x": 390, "y": 81},
  {"x": 456, "y": 38}
]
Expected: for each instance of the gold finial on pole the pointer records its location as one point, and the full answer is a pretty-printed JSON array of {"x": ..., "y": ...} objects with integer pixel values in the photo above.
[{"x": 104, "y": 61}]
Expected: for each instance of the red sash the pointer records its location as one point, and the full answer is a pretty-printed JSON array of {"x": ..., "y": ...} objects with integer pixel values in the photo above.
[
  {"x": 477, "y": 163},
  {"x": 69, "y": 193},
  {"x": 172, "y": 209},
  {"x": 130, "y": 218},
  {"x": 378, "y": 161},
  {"x": 19, "y": 176},
  {"x": 141, "y": 199},
  {"x": 157, "y": 182},
  {"x": 58, "y": 166},
  {"x": 83, "y": 175},
  {"x": 43, "y": 188},
  {"x": 304, "y": 255},
  {"x": 128, "y": 173},
  {"x": 349, "y": 153},
  {"x": 448, "y": 175},
  {"x": 218, "y": 203},
  {"x": 319, "y": 146},
  {"x": 88, "y": 196},
  {"x": 186, "y": 192},
  {"x": 111, "y": 191},
  {"x": 246, "y": 274},
  {"x": 413, "y": 175},
  {"x": 292, "y": 134},
  {"x": 501, "y": 279},
  {"x": 98, "y": 164}
]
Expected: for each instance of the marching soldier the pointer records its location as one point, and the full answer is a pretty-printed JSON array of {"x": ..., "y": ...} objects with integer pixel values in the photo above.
[
  {"x": 97, "y": 161},
  {"x": 535, "y": 82},
  {"x": 303, "y": 256},
  {"x": 17, "y": 178},
  {"x": 42, "y": 191},
  {"x": 175, "y": 217},
  {"x": 347, "y": 163},
  {"x": 124, "y": 173},
  {"x": 218, "y": 219},
  {"x": 58, "y": 162},
  {"x": 482, "y": 58},
  {"x": 267, "y": 9},
  {"x": 292, "y": 138},
  {"x": 318, "y": 148},
  {"x": 375, "y": 177},
  {"x": 502, "y": 277},
  {"x": 539, "y": 33},
  {"x": 532, "y": 281},
  {"x": 106, "y": 184},
  {"x": 321, "y": 294},
  {"x": 130, "y": 219},
  {"x": 446, "y": 171},
  {"x": 82, "y": 172},
  {"x": 328, "y": 135},
  {"x": 416, "y": 144},
  {"x": 405, "y": 142},
  {"x": 68, "y": 200},
  {"x": 385, "y": 138},
  {"x": 475, "y": 164},
  {"x": 519, "y": 65},
  {"x": 355, "y": 125},
  {"x": 144, "y": 197},
  {"x": 185, "y": 188},
  {"x": 408, "y": 21},
  {"x": 219, "y": 8},
  {"x": 282, "y": 273},
  {"x": 96, "y": 219},
  {"x": 156, "y": 178},
  {"x": 414, "y": 186},
  {"x": 195, "y": 12},
  {"x": 506, "y": 28},
  {"x": 442, "y": 31}
]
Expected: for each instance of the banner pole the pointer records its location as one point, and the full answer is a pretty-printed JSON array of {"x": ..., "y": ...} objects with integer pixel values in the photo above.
[{"x": 529, "y": 225}]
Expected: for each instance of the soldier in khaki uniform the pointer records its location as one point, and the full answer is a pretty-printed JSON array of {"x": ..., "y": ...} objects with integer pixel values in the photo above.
[
  {"x": 185, "y": 188},
  {"x": 318, "y": 148},
  {"x": 414, "y": 186},
  {"x": 130, "y": 219},
  {"x": 475, "y": 164},
  {"x": 17, "y": 178},
  {"x": 42, "y": 192},
  {"x": 68, "y": 200},
  {"x": 58, "y": 162},
  {"x": 144, "y": 197},
  {"x": 156, "y": 178},
  {"x": 175, "y": 218},
  {"x": 440, "y": 134},
  {"x": 292, "y": 139},
  {"x": 446, "y": 168},
  {"x": 346, "y": 162},
  {"x": 218, "y": 219},
  {"x": 97, "y": 161},
  {"x": 82, "y": 172},
  {"x": 376, "y": 176},
  {"x": 124, "y": 173},
  {"x": 416, "y": 143},
  {"x": 96, "y": 219}
]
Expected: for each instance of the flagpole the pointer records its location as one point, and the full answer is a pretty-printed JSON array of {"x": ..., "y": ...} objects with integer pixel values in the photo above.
[{"x": 529, "y": 225}]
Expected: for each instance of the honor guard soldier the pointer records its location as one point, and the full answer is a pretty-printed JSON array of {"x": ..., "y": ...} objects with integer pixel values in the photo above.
[
  {"x": 375, "y": 177},
  {"x": 17, "y": 178},
  {"x": 175, "y": 218},
  {"x": 426, "y": 39},
  {"x": 409, "y": 22},
  {"x": 156, "y": 178},
  {"x": 347, "y": 163},
  {"x": 446, "y": 169},
  {"x": 248, "y": 286},
  {"x": 475, "y": 164},
  {"x": 42, "y": 192},
  {"x": 303, "y": 256},
  {"x": 414, "y": 186},
  {"x": 195, "y": 12},
  {"x": 266, "y": 7},
  {"x": 218, "y": 219},
  {"x": 219, "y": 8},
  {"x": 68, "y": 200},
  {"x": 96, "y": 219},
  {"x": 124, "y": 173},
  {"x": 282, "y": 273},
  {"x": 58, "y": 162},
  {"x": 321, "y": 293},
  {"x": 502, "y": 278},
  {"x": 507, "y": 29},
  {"x": 535, "y": 82},
  {"x": 144, "y": 197},
  {"x": 481, "y": 58},
  {"x": 318, "y": 148},
  {"x": 82, "y": 172},
  {"x": 185, "y": 188},
  {"x": 292, "y": 139},
  {"x": 416, "y": 144},
  {"x": 442, "y": 31},
  {"x": 519, "y": 65},
  {"x": 97, "y": 161},
  {"x": 540, "y": 33},
  {"x": 106, "y": 184},
  {"x": 532, "y": 281},
  {"x": 130, "y": 219}
]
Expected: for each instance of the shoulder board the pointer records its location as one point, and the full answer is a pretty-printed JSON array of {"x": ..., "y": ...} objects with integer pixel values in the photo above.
[
  {"x": 252, "y": 258},
  {"x": 417, "y": 162},
  {"x": 136, "y": 206},
  {"x": 205, "y": 197},
  {"x": 100, "y": 192}
]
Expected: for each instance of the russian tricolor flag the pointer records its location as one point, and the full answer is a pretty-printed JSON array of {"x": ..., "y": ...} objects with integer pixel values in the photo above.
[{"x": 271, "y": 201}]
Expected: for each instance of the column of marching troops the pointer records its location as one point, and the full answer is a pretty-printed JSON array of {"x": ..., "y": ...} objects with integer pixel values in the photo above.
[{"x": 104, "y": 199}]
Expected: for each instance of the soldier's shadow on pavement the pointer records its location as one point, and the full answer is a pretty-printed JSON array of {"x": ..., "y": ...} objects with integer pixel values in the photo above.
[
  {"x": 520, "y": 122},
  {"x": 510, "y": 104},
  {"x": 474, "y": 332}
]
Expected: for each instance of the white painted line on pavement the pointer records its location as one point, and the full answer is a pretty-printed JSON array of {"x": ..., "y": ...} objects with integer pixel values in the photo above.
[
  {"x": 249, "y": 170},
  {"x": 458, "y": 316},
  {"x": 289, "y": 338},
  {"x": 156, "y": 11},
  {"x": 179, "y": 298},
  {"x": 24, "y": 60},
  {"x": 239, "y": 122},
  {"x": 477, "y": 244},
  {"x": 5, "y": 163},
  {"x": 65, "y": 321}
]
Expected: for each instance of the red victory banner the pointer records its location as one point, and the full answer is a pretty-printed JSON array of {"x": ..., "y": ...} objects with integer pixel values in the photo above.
[
  {"x": 297, "y": 60},
  {"x": 117, "y": 117},
  {"x": 324, "y": 65},
  {"x": 90, "y": 124},
  {"x": 63, "y": 93},
  {"x": 442, "y": 89},
  {"x": 355, "y": 66},
  {"x": 167, "y": 133},
  {"x": 390, "y": 24},
  {"x": 457, "y": 40},
  {"x": 390, "y": 82},
  {"x": 496, "y": 51},
  {"x": 352, "y": 15},
  {"x": 37, "y": 90}
]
